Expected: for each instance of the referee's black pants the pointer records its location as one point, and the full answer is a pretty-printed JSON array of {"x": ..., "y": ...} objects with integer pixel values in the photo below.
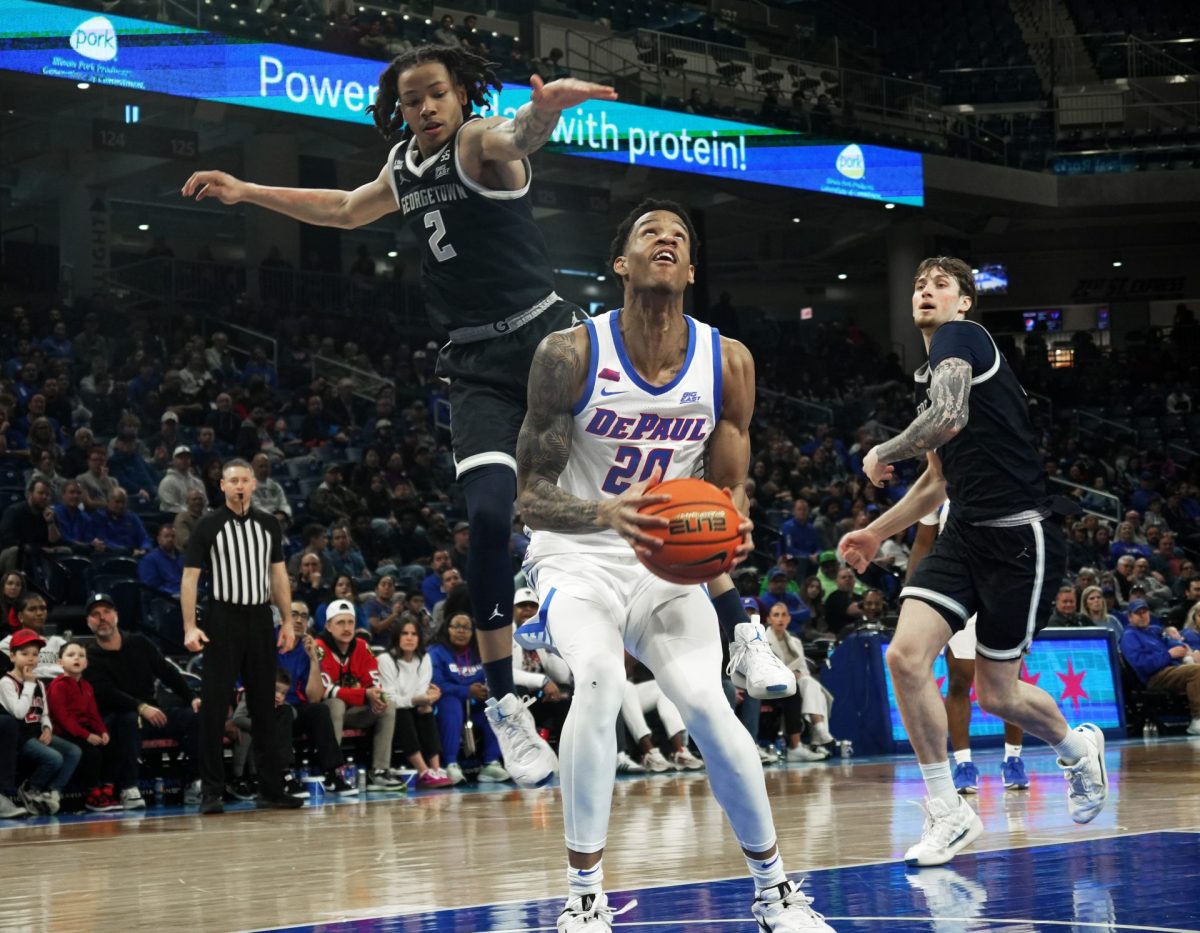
[{"x": 241, "y": 641}]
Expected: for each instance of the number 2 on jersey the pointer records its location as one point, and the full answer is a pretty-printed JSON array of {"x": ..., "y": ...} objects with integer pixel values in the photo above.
[
  {"x": 441, "y": 251},
  {"x": 628, "y": 460}
]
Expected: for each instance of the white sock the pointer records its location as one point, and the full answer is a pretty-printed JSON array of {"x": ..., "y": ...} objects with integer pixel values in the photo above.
[
  {"x": 963, "y": 757},
  {"x": 939, "y": 782},
  {"x": 768, "y": 873},
  {"x": 1072, "y": 748},
  {"x": 582, "y": 881},
  {"x": 1011, "y": 751}
]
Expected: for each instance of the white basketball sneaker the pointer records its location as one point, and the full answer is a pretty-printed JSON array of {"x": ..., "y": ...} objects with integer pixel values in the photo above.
[
  {"x": 753, "y": 666},
  {"x": 949, "y": 828},
  {"x": 786, "y": 909},
  {"x": 684, "y": 760},
  {"x": 527, "y": 757},
  {"x": 1087, "y": 778},
  {"x": 655, "y": 761},
  {"x": 589, "y": 913}
]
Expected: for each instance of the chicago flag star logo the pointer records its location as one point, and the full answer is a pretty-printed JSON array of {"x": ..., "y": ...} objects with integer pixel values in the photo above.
[{"x": 1072, "y": 685}]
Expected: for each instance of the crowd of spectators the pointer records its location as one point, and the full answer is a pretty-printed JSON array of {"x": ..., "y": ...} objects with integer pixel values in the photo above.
[{"x": 112, "y": 440}]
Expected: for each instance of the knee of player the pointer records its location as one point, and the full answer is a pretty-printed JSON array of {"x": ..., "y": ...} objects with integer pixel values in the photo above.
[
  {"x": 600, "y": 682},
  {"x": 958, "y": 685},
  {"x": 906, "y": 660}
]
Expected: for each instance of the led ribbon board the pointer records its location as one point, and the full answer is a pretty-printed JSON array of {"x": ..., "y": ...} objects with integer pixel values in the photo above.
[
  {"x": 1076, "y": 668},
  {"x": 77, "y": 45}
]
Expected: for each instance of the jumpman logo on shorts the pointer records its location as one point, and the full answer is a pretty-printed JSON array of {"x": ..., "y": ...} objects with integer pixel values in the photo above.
[{"x": 496, "y": 613}]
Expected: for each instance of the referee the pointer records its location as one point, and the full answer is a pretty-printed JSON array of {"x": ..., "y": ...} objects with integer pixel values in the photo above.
[{"x": 241, "y": 547}]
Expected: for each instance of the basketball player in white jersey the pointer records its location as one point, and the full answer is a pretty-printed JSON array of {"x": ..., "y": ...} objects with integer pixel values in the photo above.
[{"x": 629, "y": 398}]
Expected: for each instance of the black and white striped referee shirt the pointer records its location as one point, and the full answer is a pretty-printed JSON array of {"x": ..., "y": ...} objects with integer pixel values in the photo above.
[{"x": 237, "y": 551}]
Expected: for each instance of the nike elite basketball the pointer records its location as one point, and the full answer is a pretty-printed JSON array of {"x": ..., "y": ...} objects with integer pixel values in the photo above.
[{"x": 701, "y": 535}]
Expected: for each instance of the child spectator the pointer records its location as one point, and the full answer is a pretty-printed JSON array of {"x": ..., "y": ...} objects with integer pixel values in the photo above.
[
  {"x": 284, "y": 718},
  {"x": 406, "y": 673},
  {"x": 77, "y": 720},
  {"x": 351, "y": 679},
  {"x": 31, "y": 614},
  {"x": 458, "y": 673},
  {"x": 54, "y": 759}
]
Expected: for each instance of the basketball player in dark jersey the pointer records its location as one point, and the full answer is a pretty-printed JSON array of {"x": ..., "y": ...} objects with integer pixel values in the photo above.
[
  {"x": 461, "y": 182},
  {"x": 999, "y": 557}
]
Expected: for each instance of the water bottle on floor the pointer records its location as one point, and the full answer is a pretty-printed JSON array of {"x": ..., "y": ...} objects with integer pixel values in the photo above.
[{"x": 350, "y": 772}]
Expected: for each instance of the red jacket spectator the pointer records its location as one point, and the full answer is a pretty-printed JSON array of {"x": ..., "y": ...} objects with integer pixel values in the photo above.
[
  {"x": 73, "y": 708},
  {"x": 347, "y": 676}
]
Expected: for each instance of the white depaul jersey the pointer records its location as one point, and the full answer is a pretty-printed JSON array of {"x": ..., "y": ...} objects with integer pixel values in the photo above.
[{"x": 625, "y": 427}]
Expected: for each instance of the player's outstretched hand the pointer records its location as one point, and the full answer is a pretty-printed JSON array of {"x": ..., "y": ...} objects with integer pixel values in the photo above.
[
  {"x": 220, "y": 185},
  {"x": 622, "y": 515},
  {"x": 878, "y": 473},
  {"x": 858, "y": 548},
  {"x": 567, "y": 92}
]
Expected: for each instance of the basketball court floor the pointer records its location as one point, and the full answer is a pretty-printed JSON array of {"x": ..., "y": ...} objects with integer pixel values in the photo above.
[{"x": 492, "y": 859}]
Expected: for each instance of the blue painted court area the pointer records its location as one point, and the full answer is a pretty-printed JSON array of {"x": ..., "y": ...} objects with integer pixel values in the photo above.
[{"x": 1143, "y": 882}]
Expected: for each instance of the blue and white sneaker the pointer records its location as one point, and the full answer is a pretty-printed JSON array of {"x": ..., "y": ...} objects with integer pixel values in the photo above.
[
  {"x": 753, "y": 666},
  {"x": 966, "y": 778},
  {"x": 527, "y": 757},
  {"x": 1087, "y": 778},
  {"x": 1013, "y": 772}
]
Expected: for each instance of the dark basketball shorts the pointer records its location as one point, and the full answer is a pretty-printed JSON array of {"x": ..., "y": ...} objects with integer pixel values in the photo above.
[
  {"x": 1007, "y": 577},
  {"x": 488, "y": 384}
]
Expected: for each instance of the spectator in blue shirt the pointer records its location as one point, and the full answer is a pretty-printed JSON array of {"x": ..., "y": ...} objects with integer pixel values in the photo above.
[
  {"x": 162, "y": 568},
  {"x": 120, "y": 529},
  {"x": 1125, "y": 544},
  {"x": 126, "y": 466},
  {"x": 777, "y": 592},
  {"x": 259, "y": 366},
  {"x": 344, "y": 556},
  {"x": 431, "y": 586},
  {"x": 798, "y": 537},
  {"x": 74, "y": 522},
  {"x": 1162, "y": 663}
]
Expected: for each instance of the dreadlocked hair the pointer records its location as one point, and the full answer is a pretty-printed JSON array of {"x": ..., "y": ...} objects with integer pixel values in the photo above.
[{"x": 474, "y": 73}]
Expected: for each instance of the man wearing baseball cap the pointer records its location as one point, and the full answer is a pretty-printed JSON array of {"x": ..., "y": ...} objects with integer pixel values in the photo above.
[
  {"x": 180, "y": 480},
  {"x": 354, "y": 691},
  {"x": 122, "y": 669},
  {"x": 1161, "y": 662}
]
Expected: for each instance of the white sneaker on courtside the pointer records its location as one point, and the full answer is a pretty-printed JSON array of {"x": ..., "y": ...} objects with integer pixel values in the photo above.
[
  {"x": 626, "y": 765},
  {"x": 803, "y": 753},
  {"x": 949, "y": 828},
  {"x": 1087, "y": 779},
  {"x": 684, "y": 760},
  {"x": 786, "y": 909},
  {"x": 655, "y": 761},
  {"x": 589, "y": 913},
  {"x": 753, "y": 666},
  {"x": 527, "y": 757}
]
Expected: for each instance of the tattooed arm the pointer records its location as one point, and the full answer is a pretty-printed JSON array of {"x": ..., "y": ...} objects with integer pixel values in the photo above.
[
  {"x": 505, "y": 140},
  {"x": 950, "y": 387},
  {"x": 556, "y": 379}
]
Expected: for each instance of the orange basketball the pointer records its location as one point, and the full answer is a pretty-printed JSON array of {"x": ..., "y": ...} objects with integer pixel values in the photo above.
[{"x": 699, "y": 542}]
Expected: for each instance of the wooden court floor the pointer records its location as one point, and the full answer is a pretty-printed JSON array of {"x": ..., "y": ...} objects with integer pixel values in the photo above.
[{"x": 170, "y": 869}]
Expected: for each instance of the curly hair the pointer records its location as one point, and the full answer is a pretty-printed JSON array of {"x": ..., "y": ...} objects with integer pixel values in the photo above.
[{"x": 467, "y": 70}]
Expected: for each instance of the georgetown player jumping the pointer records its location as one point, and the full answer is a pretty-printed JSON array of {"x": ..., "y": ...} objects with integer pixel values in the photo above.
[
  {"x": 1000, "y": 557},
  {"x": 461, "y": 183},
  {"x": 608, "y": 405}
]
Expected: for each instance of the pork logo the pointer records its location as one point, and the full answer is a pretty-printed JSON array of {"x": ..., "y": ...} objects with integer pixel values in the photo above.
[{"x": 95, "y": 39}]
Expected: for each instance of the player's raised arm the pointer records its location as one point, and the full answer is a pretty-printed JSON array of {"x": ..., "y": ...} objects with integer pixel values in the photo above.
[
  {"x": 946, "y": 415},
  {"x": 556, "y": 378},
  {"x": 324, "y": 207},
  {"x": 511, "y": 140}
]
